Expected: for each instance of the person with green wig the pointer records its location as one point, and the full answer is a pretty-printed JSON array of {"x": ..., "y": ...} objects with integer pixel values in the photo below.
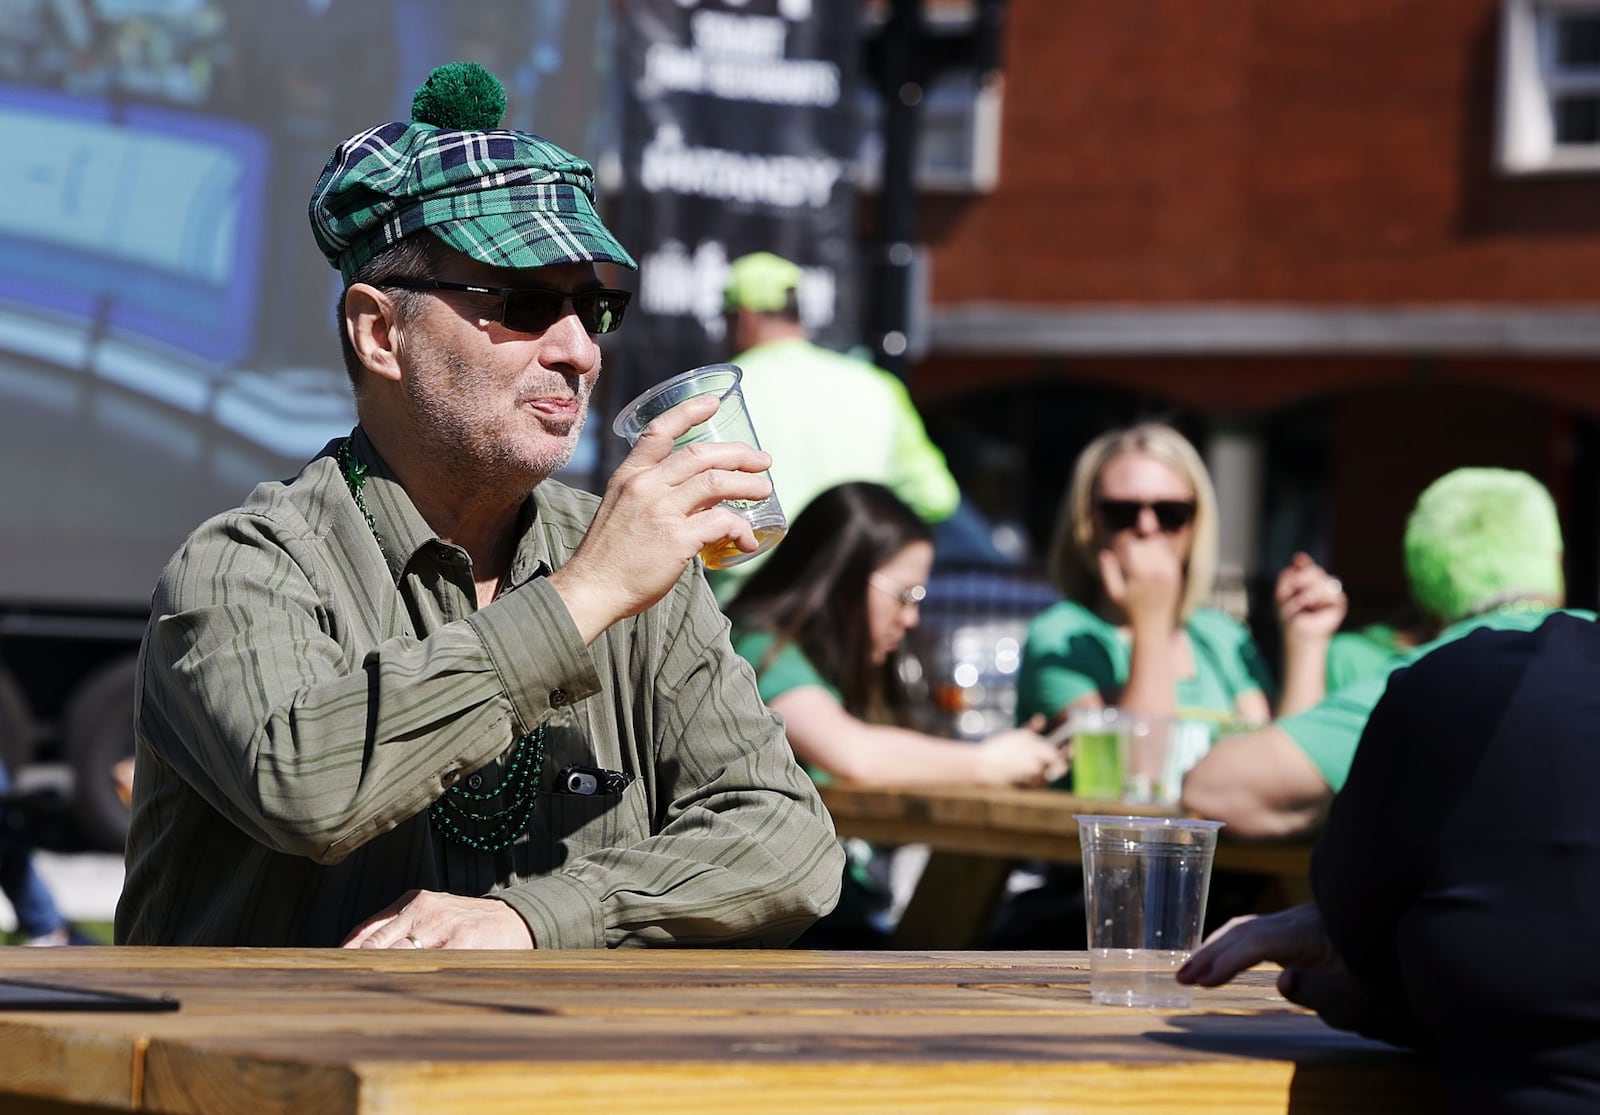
[
  {"x": 1454, "y": 882},
  {"x": 1435, "y": 594},
  {"x": 1482, "y": 548}
]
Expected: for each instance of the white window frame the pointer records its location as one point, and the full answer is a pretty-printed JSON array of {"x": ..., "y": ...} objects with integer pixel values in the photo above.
[{"x": 1529, "y": 83}]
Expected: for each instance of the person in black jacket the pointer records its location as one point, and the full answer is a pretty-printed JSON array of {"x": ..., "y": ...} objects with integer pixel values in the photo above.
[{"x": 1457, "y": 882}]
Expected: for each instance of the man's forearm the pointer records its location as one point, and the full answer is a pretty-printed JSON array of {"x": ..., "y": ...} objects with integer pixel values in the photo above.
[
  {"x": 759, "y": 871},
  {"x": 255, "y": 704}
]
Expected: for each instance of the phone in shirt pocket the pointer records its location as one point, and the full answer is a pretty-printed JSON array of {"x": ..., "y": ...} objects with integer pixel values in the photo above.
[
  {"x": 588, "y": 781},
  {"x": 570, "y": 822}
]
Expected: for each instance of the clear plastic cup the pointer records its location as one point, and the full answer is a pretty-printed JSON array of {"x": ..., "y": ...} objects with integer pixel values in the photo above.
[
  {"x": 731, "y": 422},
  {"x": 1145, "y": 881},
  {"x": 1160, "y": 752},
  {"x": 1118, "y": 755}
]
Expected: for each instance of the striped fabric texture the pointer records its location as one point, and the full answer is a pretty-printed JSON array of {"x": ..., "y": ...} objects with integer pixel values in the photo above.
[
  {"x": 304, "y": 695},
  {"x": 505, "y": 198}
]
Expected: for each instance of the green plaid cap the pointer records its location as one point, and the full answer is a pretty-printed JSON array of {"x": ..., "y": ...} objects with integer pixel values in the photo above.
[{"x": 505, "y": 198}]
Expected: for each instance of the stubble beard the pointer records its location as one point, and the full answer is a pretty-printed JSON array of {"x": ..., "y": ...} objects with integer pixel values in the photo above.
[{"x": 474, "y": 452}]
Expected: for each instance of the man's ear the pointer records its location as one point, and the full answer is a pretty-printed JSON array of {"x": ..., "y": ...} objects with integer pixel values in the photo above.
[{"x": 372, "y": 322}]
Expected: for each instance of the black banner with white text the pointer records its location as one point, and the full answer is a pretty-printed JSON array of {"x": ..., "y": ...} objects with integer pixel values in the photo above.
[{"x": 739, "y": 127}]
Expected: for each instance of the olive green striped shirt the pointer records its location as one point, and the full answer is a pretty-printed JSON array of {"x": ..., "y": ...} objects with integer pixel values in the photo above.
[{"x": 305, "y": 694}]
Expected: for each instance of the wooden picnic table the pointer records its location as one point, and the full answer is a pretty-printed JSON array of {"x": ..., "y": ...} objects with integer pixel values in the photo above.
[
  {"x": 978, "y": 835},
  {"x": 668, "y": 1032}
]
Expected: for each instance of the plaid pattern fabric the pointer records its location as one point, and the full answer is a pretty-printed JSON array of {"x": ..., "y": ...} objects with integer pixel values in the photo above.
[{"x": 505, "y": 198}]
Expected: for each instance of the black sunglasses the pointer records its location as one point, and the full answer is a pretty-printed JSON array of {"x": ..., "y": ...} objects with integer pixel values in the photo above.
[
  {"x": 534, "y": 309},
  {"x": 1172, "y": 515}
]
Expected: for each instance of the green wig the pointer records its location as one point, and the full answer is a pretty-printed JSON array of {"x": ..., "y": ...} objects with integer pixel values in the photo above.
[{"x": 1480, "y": 538}]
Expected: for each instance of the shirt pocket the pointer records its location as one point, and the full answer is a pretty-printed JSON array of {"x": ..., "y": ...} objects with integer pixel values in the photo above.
[{"x": 570, "y": 826}]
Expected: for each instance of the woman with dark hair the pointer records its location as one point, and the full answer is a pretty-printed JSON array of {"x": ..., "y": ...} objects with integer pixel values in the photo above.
[{"x": 822, "y": 623}]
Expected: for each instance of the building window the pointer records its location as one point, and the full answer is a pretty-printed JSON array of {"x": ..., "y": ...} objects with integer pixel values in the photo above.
[{"x": 1549, "y": 86}]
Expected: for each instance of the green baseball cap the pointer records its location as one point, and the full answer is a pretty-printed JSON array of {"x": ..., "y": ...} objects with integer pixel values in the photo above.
[
  {"x": 761, "y": 282},
  {"x": 502, "y": 197}
]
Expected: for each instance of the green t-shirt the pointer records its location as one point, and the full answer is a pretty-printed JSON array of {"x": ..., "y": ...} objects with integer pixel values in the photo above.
[
  {"x": 1329, "y": 732},
  {"x": 1072, "y": 652},
  {"x": 863, "y": 899},
  {"x": 788, "y": 669},
  {"x": 1353, "y": 655}
]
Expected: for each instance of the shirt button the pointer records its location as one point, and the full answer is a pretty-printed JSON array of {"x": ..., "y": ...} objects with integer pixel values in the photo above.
[
  {"x": 474, "y": 781},
  {"x": 558, "y": 697}
]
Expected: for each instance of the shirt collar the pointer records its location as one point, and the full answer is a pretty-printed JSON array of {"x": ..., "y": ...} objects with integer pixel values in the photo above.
[
  {"x": 402, "y": 531},
  {"x": 532, "y": 556}
]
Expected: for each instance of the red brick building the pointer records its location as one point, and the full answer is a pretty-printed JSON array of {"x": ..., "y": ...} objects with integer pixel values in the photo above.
[{"x": 1292, "y": 229}]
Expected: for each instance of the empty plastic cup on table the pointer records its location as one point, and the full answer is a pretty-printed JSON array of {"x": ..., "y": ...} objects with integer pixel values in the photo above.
[
  {"x": 1145, "y": 881},
  {"x": 731, "y": 422}
]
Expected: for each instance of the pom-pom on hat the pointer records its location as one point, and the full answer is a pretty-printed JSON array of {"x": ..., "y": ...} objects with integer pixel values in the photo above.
[
  {"x": 1481, "y": 538},
  {"x": 505, "y": 198},
  {"x": 762, "y": 282}
]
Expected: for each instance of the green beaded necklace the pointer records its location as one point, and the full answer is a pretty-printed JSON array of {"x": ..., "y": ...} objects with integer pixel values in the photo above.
[{"x": 451, "y": 815}]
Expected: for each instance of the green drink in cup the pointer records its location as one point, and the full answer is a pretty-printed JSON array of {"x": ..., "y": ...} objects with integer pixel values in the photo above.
[
  {"x": 1099, "y": 753},
  {"x": 1119, "y": 755},
  {"x": 1097, "y": 765}
]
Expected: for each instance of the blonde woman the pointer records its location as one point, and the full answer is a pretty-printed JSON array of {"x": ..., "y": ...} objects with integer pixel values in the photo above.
[{"x": 1135, "y": 556}]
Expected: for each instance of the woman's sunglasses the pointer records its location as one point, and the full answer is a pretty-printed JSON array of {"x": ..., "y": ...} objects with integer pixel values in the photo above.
[
  {"x": 1172, "y": 515},
  {"x": 535, "y": 309}
]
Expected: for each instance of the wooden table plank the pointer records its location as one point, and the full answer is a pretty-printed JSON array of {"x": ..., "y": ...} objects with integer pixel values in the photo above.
[{"x": 351, "y": 1033}]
